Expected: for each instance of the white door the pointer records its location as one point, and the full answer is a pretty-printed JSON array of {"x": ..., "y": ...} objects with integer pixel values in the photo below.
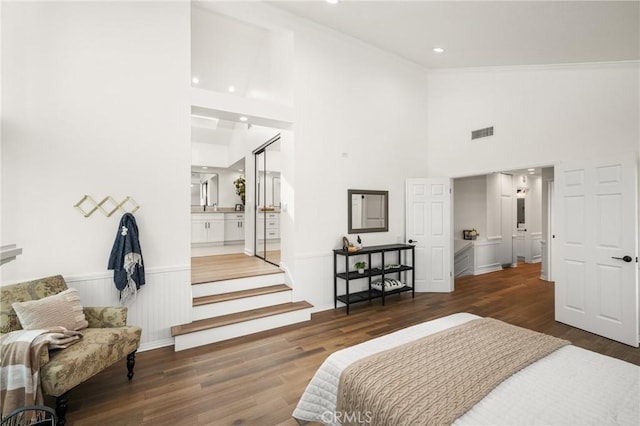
[
  {"x": 428, "y": 226},
  {"x": 595, "y": 248}
]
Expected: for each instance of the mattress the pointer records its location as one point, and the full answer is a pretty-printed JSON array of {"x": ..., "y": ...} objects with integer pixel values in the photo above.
[{"x": 571, "y": 386}]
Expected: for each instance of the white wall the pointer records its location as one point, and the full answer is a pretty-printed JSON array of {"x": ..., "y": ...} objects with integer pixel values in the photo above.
[
  {"x": 209, "y": 154},
  {"x": 542, "y": 115},
  {"x": 350, "y": 133},
  {"x": 470, "y": 205},
  {"x": 95, "y": 100},
  {"x": 230, "y": 52}
]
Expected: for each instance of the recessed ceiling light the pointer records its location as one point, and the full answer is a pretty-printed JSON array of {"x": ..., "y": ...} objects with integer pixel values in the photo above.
[
  {"x": 532, "y": 173},
  {"x": 205, "y": 167},
  {"x": 531, "y": 170},
  {"x": 232, "y": 89},
  {"x": 438, "y": 49},
  {"x": 332, "y": 1},
  {"x": 243, "y": 118},
  {"x": 195, "y": 80},
  {"x": 241, "y": 170}
]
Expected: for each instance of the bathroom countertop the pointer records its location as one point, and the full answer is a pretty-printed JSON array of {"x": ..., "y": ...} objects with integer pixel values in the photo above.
[
  {"x": 210, "y": 209},
  {"x": 199, "y": 210}
]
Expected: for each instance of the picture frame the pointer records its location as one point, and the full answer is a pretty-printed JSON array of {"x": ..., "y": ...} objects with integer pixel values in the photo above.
[{"x": 239, "y": 207}]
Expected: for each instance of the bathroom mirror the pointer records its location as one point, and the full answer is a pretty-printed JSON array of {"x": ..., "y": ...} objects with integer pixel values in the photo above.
[
  {"x": 204, "y": 189},
  {"x": 368, "y": 211},
  {"x": 520, "y": 197}
]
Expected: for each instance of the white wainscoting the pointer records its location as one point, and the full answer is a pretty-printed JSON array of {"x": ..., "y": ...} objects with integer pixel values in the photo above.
[
  {"x": 536, "y": 248},
  {"x": 314, "y": 280},
  {"x": 519, "y": 245},
  {"x": 165, "y": 300},
  {"x": 487, "y": 256},
  {"x": 544, "y": 275}
]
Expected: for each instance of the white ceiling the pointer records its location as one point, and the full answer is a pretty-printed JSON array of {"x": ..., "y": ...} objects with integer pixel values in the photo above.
[
  {"x": 486, "y": 33},
  {"x": 473, "y": 34},
  {"x": 220, "y": 133}
]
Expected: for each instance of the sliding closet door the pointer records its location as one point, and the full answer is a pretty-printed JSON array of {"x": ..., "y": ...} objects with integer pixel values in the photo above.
[
  {"x": 267, "y": 240},
  {"x": 271, "y": 214},
  {"x": 260, "y": 204}
]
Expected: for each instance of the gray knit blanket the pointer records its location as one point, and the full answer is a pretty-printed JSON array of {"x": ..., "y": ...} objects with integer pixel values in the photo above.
[{"x": 436, "y": 379}]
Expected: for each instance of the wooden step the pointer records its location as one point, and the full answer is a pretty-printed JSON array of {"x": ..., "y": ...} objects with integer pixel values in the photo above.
[
  {"x": 234, "y": 295},
  {"x": 240, "y": 284},
  {"x": 239, "y": 317}
]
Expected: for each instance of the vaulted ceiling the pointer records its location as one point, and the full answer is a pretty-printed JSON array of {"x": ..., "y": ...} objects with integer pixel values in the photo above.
[{"x": 485, "y": 33}]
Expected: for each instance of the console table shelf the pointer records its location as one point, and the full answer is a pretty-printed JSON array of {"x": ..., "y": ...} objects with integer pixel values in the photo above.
[
  {"x": 372, "y": 272},
  {"x": 366, "y": 295},
  {"x": 382, "y": 272}
]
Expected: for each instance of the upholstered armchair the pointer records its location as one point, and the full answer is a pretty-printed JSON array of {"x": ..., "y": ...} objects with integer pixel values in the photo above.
[{"x": 105, "y": 341}]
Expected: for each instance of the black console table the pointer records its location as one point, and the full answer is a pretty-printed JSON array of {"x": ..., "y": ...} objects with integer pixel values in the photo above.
[{"x": 372, "y": 293}]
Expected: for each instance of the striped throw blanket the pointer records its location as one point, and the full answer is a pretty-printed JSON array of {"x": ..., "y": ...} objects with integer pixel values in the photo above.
[
  {"x": 21, "y": 355},
  {"x": 436, "y": 379}
]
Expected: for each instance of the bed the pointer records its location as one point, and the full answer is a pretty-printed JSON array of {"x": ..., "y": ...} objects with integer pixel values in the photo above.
[{"x": 569, "y": 386}]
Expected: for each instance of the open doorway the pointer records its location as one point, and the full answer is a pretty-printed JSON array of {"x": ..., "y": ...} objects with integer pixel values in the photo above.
[
  {"x": 217, "y": 210},
  {"x": 501, "y": 219}
]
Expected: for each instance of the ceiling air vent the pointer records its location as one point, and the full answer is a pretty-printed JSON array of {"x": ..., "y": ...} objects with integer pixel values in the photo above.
[{"x": 482, "y": 133}]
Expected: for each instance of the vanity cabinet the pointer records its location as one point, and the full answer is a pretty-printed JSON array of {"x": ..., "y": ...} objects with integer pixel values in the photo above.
[
  {"x": 234, "y": 226},
  {"x": 269, "y": 221},
  {"x": 390, "y": 260},
  {"x": 207, "y": 228}
]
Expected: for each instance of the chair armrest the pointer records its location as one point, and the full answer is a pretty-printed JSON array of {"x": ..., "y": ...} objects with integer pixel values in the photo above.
[
  {"x": 44, "y": 357},
  {"x": 106, "y": 316}
]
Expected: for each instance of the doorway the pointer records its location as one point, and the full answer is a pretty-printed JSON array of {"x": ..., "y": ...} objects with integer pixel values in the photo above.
[
  {"x": 268, "y": 201},
  {"x": 510, "y": 212}
]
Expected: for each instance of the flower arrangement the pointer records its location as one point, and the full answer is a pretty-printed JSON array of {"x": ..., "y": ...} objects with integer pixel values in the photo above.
[
  {"x": 470, "y": 234},
  {"x": 240, "y": 187}
]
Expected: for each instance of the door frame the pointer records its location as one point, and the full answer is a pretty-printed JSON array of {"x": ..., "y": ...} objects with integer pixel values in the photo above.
[
  {"x": 262, "y": 149},
  {"x": 509, "y": 170}
]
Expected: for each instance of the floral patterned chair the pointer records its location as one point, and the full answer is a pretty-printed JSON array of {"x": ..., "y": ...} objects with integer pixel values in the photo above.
[{"x": 105, "y": 341}]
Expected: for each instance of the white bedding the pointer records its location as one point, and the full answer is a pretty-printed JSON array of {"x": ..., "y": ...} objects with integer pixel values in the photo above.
[{"x": 571, "y": 386}]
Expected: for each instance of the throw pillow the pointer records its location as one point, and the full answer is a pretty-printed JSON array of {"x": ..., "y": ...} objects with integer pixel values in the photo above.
[{"x": 62, "y": 309}]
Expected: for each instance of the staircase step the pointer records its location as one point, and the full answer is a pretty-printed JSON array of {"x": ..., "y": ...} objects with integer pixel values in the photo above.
[
  {"x": 238, "y": 317},
  {"x": 212, "y": 330},
  {"x": 240, "y": 284},
  {"x": 224, "y": 297}
]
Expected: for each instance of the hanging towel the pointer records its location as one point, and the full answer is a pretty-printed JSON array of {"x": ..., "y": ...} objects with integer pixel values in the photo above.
[{"x": 126, "y": 259}]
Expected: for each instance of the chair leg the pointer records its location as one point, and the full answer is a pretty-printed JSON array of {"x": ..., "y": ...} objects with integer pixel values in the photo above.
[
  {"x": 131, "y": 362},
  {"x": 61, "y": 408}
]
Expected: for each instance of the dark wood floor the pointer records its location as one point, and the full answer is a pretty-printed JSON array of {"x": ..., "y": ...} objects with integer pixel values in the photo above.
[{"x": 257, "y": 380}]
